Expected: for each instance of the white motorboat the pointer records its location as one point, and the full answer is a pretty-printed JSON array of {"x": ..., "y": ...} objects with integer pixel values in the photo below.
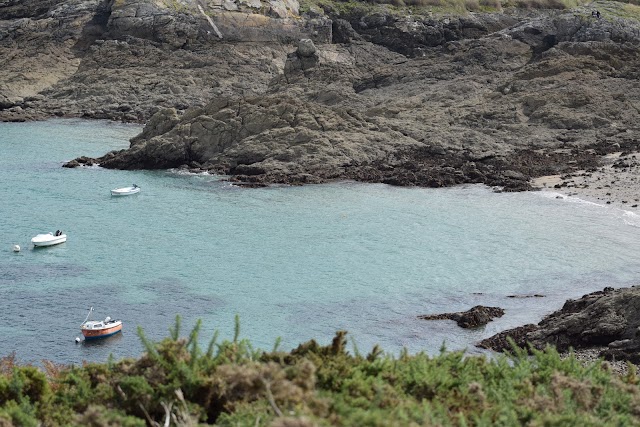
[
  {"x": 126, "y": 191},
  {"x": 94, "y": 329},
  {"x": 49, "y": 239}
]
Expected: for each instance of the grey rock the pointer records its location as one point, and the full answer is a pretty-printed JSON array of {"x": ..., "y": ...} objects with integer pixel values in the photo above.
[
  {"x": 472, "y": 318},
  {"x": 620, "y": 343},
  {"x": 610, "y": 317},
  {"x": 514, "y": 175},
  {"x": 343, "y": 32},
  {"x": 306, "y": 48},
  {"x": 160, "y": 123},
  {"x": 71, "y": 164},
  {"x": 400, "y": 99}
]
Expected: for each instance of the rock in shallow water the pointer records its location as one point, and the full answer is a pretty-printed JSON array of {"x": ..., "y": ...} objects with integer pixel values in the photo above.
[{"x": 472, "y": 318}]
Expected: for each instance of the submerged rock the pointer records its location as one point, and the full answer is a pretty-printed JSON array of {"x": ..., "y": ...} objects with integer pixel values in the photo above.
[
  {"x": 71, "y": 164},
  {"x": 80, "y": 161},
  {"x": 526, "y": 296},
  {"x": 472, "y": 318}
]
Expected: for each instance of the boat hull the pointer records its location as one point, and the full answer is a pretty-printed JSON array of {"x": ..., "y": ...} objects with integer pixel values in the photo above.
[
  {"x": 94, "y": 334},
  {"x": 48, "y": 240},
  {"x": 125, "y": 191}
]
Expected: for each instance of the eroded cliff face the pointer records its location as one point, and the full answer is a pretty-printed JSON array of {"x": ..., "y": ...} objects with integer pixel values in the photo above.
[
  {"x": 126, "y": 59},
  {"x": 402, "y": 99}
]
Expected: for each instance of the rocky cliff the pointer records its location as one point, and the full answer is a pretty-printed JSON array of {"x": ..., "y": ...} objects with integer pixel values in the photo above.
[
  {"x": 126, "y": 59},
  {"x": 607, "y": 319},
  {"x": 266, "y": 93}
]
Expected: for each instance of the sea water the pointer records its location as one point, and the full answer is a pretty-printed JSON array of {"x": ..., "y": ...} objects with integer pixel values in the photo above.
[{"x": 297, "y": 263}]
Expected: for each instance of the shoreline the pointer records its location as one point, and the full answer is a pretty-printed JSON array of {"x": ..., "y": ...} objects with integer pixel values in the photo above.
[
  {"x": 615, "y": 183},
  {"x": 589, "y": 356},
  {"x": 599, "y": 325}
]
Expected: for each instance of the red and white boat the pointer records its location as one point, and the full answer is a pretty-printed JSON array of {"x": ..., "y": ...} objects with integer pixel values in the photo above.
[{"x": 94, "y": 329}]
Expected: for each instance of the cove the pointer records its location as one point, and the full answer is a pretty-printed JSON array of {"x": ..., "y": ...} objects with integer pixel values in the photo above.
[{"x": 293, "y": 262}]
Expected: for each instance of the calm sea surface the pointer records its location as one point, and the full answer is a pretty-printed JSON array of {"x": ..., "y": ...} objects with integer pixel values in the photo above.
[{"x": 293, "y": 262}]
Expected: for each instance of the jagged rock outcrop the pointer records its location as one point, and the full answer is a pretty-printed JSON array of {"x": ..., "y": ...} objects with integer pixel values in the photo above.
[
  {"x": 412, "y": 35},
  {"x": 127, "y": 59},
  {"x": 472, "y": 318},
  {"x": 368, "y": 95},
  {"x": 277, "y": 135},
  {"x": 493, "y": 109},
  {"x": 304, "y": 58},
  {"x": 501, "y": 340},
  {"x": 610, "y": 318}
]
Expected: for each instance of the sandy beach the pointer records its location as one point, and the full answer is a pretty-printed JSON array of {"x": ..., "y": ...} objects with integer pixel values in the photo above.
[{"x": 615, "y": 182}]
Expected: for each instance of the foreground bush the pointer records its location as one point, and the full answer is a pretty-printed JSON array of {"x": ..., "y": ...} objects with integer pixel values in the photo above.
[{"x": 230, "y": 384}]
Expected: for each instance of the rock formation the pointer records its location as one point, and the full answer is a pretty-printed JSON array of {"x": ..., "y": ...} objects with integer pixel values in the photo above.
[
  {"x": 127, "y": 59},
  {"x": 264, "y": 93},
  {"x": 610, "y": 318},
  {"x": 472, "y": 318}
]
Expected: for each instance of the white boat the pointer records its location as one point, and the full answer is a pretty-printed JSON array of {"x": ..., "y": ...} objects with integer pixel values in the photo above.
[
  {"x": 49, "y": 239},
  {"x": 126, "y": 191}
]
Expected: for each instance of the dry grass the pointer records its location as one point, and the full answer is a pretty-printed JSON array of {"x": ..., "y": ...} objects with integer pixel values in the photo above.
[
  {"x": 536, "y": 4},
  {"x": 632, "y": 9},
  {"x": 493, "y": 4},
  {"x": 472, "y": 5},
  {"x": 7, "y": 363},
  {"x": 424, "y": 3}
]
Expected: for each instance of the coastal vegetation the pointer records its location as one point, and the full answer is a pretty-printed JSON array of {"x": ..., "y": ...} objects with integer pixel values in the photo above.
[
  {"x": 229, "y": 383},
  {"x": 435, "y": 104}
]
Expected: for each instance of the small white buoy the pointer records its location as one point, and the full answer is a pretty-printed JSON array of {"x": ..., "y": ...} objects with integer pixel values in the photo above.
[
  {"x": 77, "y": 340},
  {"x": 16, "y": 248}
]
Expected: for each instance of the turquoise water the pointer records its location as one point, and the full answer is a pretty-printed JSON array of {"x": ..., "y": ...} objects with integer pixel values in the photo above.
[{"x": 293, "y": 262}]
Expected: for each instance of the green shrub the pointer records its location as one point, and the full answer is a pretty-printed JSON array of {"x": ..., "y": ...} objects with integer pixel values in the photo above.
[
  {"x": 99, "y": 416},
  {"x": 232, "y": 384},
  {"x": 18, "y": 414}
]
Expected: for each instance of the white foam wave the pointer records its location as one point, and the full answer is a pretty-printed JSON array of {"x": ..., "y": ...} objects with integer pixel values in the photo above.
[
  {"x": 631, "y": 218},
  {"x": 628, "y": 217},
  {"x": 187, "y": 172},
  {"x": 550, "y": 194},
  {"x": 570, "y": 199}
]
